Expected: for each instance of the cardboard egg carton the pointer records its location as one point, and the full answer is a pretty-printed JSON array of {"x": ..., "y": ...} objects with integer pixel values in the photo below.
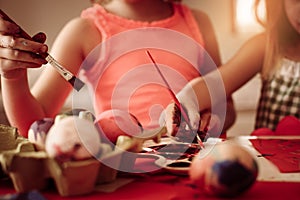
[{"x": 32, "y": 170}]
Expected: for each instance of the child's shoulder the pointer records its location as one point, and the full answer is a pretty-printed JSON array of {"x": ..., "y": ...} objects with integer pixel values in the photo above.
[
  {"x": 80, "y": 26},
  {"x": 199, "y": 13},
  {"x": 81, "y": 30}
]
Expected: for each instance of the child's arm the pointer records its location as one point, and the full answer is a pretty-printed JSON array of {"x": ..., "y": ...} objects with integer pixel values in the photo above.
[
  {"x": 212, "y": 48},
  {"x": 23, "y": 105},
  {"x": 241, "y": 68}
]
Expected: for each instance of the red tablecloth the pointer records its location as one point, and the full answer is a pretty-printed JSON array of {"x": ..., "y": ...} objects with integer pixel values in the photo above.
[
  {"x": 160, "y": 184},
  {"x": 173, "y": 187}
]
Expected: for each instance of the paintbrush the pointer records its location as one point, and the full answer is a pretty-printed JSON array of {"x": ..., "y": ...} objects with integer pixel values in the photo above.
[
  {"x": 76, "y": 83},
  {"x": 177, "y": 103}
]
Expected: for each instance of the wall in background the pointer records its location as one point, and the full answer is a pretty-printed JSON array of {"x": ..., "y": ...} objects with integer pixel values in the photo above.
[{"x": 48, "y": 16}]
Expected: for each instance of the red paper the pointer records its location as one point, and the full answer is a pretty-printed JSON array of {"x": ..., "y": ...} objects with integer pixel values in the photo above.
[
  {"x": 289, "y": 125},
  {"x": 285, "y": 154}
]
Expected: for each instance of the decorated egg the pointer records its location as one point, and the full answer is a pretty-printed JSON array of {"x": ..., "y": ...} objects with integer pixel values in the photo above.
[
  {"x": 113, "y": 123},
  {"x": 73, "y": 138},
  {"x": 37, "y": 132},
  {"x": 227, "y": 170}
]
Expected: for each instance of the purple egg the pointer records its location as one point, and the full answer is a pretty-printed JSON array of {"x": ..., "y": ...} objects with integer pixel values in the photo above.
[{"x": 38, "y": 131}]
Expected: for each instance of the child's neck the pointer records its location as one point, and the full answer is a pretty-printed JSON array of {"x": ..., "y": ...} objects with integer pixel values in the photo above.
[
  {"x": 292, "y": 52},
  {"x": 292, "y": 48},
  {"x": 289, "y": 41},
  {"x": 143, "y": 10}
]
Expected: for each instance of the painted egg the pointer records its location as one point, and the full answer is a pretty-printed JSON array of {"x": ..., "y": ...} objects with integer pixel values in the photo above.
[
  {"x": 227, "y": 170},
  {"x": 113, "y": 123},
  {"x": 37, "y": 132},
  {"x": 73, "y": 138}
]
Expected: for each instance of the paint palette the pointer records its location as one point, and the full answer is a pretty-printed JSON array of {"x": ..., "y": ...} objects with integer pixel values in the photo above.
[
  {"x": 178, "y": 156},
  {"x": 178, "y": 167}
]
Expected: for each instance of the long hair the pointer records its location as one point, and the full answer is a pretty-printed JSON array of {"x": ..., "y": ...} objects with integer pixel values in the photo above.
[{"x": 278, "y": 32}]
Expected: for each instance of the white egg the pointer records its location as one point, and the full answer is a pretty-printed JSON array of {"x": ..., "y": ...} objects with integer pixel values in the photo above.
[{"x": 73, "y": 138}]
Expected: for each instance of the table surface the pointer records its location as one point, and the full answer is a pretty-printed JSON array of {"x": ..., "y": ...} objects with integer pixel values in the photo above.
[{"x": 271, "y": 183}]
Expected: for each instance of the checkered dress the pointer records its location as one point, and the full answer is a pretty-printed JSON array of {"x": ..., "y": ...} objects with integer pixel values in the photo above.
[{"x": 280, "y": 96}]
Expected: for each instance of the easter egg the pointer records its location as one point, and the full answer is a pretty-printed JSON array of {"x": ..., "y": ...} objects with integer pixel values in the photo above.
[
  {"x": 113, "y": 123},
  {"x": 73, "y": 138},
  {"x": 227, "y": 170},
  {"x": 37, "y": 132}
]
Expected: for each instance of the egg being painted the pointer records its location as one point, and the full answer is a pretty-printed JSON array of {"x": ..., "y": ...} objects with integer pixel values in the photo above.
[{"x": 227, "y": 171}]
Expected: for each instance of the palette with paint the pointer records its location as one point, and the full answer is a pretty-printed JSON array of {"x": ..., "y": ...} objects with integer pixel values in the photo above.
[{"x": 178, "y": 155}]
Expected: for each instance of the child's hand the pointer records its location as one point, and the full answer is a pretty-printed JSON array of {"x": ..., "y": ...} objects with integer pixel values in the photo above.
[
  {"x": 210, "y": 125},
  {"x": 18, "y": 53},
  {"x": 171, "y": 117}
]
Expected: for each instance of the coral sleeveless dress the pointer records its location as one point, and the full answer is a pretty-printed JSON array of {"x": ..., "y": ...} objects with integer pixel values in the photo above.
[{"x": 120, "y": 74}]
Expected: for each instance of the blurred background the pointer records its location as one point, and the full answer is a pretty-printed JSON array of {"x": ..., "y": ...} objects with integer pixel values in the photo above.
[{"x": 233, "y": 22}]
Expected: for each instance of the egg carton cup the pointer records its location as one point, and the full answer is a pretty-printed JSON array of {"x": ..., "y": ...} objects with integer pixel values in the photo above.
[{"x": 33, "y": 170}]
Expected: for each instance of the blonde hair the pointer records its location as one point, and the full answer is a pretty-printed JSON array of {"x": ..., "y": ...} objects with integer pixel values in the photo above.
[{"x": 277, "y": 31}]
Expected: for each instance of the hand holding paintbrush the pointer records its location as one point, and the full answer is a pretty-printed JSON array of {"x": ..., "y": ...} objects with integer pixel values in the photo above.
[
  {"x": 67, "y": 75},
  {"x": 176, "y": 101}
]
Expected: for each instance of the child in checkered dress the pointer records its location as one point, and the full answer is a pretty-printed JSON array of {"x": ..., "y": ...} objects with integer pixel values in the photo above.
[{"x": 275, "y": 54}]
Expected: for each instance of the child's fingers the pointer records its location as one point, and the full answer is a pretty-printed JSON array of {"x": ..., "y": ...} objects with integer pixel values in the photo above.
[
  {"x": 205, "y": 120},
  {"x": 39, "y": 37},
  {"x": 8, "y": 28},
  {"x": 16, "y": 43}
]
